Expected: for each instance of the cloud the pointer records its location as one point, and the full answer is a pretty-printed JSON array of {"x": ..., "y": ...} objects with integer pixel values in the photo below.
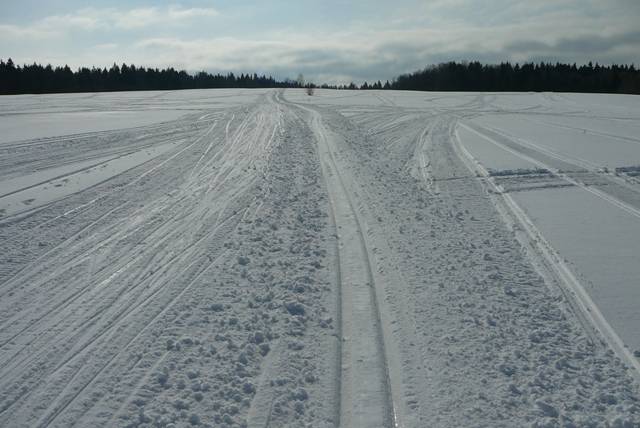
[
  {"x": 106, "y": 46},
  {"x": 15, "y": 32},
  {"x": 589, "y": 45},
  {"x": 435, "y": 31},
  {"x": 381, "y": 54},
  {"x": 105, "y": 19},
  {"x": 142, "y": 17}
]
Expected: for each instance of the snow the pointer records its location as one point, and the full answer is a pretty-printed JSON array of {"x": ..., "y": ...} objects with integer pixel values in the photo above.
[
  {"x": 34, "y": 190},
  {"x": 356, "y": 258},
  {"x": 595, "y": 148},
  {"x": 494, "y": 157},
  {"x": 24, "y": 117},
  {"x": 14, "y": 127},
  {"x": 590, "y": 217},
  {"x": 601, "y": 243}
]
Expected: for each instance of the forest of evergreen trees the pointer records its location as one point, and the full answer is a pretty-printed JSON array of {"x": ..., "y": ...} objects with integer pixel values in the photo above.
[
  {"x": 38, "y": 79},
  {"x": 474, "y": 76},
  {"x": 451, "y": 76}
]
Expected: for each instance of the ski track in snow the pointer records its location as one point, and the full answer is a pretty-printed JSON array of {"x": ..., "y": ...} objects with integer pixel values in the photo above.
[
  {"x": 274, "y": 259},
  {"x": 365, "y": 396}
]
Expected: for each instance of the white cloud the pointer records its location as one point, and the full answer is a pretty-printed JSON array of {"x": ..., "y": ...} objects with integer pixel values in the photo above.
[
  {"x": 194, "y": 12},
  {"x": 106, "y": 46},
  {"x": 90, "y": 19},
  {"x": 15, "y": 32},
  {"x": 78, "y": 21},
  {"x": 142, "y": 17}
]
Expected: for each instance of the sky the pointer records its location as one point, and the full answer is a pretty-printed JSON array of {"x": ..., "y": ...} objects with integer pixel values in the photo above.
[{"x": 329, "y": 41}]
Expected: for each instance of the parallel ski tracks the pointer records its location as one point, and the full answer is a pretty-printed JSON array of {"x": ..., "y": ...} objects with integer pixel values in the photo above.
[{"x": 365, "y": 388}]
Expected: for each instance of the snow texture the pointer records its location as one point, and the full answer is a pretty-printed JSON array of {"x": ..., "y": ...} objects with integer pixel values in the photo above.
[{"x": 355, "y": 258}]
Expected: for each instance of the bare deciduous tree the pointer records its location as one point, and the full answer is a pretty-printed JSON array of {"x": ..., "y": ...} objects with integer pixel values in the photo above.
[{"x": 309, "y": 88}]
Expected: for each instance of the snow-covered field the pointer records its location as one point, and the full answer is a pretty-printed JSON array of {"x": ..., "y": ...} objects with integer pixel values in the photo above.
[{"x": 354, "y": 258}]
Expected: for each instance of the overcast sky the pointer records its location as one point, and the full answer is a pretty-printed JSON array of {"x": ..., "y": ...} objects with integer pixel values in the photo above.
[{"x": 331, "y": 41}]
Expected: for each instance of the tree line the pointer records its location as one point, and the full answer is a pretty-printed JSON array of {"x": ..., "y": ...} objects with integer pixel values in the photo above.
[
  {"x": 450, "y": 76},
  {"x": 38, "y": 79},
  {"x": 474, "y": 76}
]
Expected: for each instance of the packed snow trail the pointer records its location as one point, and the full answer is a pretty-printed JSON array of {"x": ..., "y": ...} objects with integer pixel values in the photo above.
[
  {"x": 365, "y": 396},
  {"x": 274, "y": 259}
]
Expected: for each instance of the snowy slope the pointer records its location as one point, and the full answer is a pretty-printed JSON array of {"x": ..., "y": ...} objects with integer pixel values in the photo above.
[{"x": 354, "y": 258}]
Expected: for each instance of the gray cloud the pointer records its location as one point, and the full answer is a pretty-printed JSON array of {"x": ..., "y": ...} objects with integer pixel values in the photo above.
[
  {"x": 605, "y": 49},
  {"x": 440, "y": 30}
]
